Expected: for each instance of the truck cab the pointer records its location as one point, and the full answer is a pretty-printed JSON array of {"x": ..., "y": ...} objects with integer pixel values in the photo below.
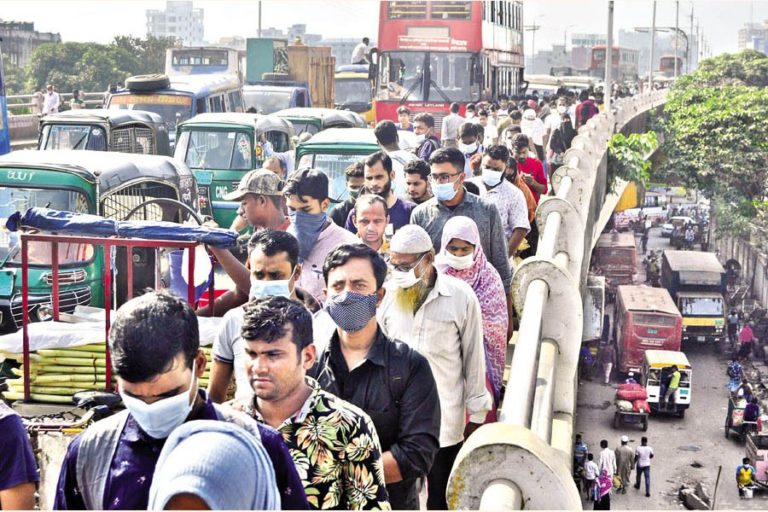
[{"x": 697, "y": 283}]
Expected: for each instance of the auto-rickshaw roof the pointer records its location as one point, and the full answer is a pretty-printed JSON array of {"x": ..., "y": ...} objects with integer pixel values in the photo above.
[
  {"x": 329, "y": 117},
  {"x": 260, "y": 122},
  {"x": 114, "y": 117},
  {"x": 643, "y": 298},
  {"x": 616, "y": 240},
  {"x": 335, "y": 136},
  {"x": 663, "y": 358},
  {"x": 111, "y": 169},
  {"x": 694, "y": 261}
]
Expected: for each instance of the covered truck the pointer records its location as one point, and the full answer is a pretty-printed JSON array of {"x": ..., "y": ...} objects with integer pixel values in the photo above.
[
  {"x": 696, "y": 281},
  {"x": 616, "y": 258}
]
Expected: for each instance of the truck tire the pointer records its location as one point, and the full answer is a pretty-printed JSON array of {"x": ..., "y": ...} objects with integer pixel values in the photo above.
[
  {"x": 146, "y": 83},
  {"x": 681, "y": 413}
]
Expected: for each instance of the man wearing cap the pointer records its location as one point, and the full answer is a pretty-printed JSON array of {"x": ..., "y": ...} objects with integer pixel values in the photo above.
[
  {"x": 625, "y": 459},
  {"x": 306, "y": 192},
  {"x": 439, "y": 316},
  {"x": 261, "y": 206}
]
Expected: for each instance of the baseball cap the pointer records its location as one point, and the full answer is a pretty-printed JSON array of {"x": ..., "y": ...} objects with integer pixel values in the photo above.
[
  {"x": 258, "y": 181},
  {"x": 307, "y": 182},
  {"x": 624, "y": 439}
]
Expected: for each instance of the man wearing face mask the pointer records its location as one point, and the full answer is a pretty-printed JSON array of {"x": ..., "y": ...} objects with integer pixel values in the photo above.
[
  {"x": 379, "y": 179},
  {"x": 528, "y": 167},
  {"x": 424, "y": 129},
  {"x": 470, "y": 147},
  {"x": 355, "y": 181},
  {"x": 306, "y": 192},
  {"x": 387, "y": 379},
  {"x": 509, "y": 200},
  {"x": 275, "y": 268},
  {"x": 155, "y": 347},
  {"x": 451, "y": 199},
  {"x": 439, "y": 316}
]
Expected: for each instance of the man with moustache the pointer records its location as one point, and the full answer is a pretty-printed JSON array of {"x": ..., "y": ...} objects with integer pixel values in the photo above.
[{"x": 439, "y": 316}]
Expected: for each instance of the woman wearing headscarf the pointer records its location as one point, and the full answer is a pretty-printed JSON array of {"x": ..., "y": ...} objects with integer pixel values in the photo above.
[
  {"x": 461, "y": 256},
  {"x": 605, "y": 485},
  {"x": 213, "y": 465},
  {"x": 560, "y": 142}
]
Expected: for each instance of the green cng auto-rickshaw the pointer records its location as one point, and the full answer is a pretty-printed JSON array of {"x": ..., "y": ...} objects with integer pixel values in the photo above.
[
  {"x": 135, "y": 187},
  {"x": 314, "y": 120},
  {"x": 221, "y": 148},
  {"x": 124, "y": 131}
]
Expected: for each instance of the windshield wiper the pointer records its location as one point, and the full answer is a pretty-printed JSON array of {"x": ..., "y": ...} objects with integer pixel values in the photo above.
[
  {"x": 80, "y": 141},
  {"x": 440, "y": 91},
  {"x": 410, "y": 90}
]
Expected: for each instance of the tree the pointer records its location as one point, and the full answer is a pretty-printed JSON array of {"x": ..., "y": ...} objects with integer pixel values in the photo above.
[
  {"x": 716, "y": 134},
  {"x": 14, "y": 78},
  {"x": 150, "y": 51}
]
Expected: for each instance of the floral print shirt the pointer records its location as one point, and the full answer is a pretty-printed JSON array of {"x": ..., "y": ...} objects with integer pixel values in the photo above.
[{"x": 336, "y": 451}]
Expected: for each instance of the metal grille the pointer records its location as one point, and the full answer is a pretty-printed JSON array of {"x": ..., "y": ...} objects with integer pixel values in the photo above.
[
  {"x": 134, "y": 139},
  {"x": 119, "y": 204},
  {"x": 66, "y": 277},
  {"x": 67, "y": 302},
  {"x": 438, "y": 117}
]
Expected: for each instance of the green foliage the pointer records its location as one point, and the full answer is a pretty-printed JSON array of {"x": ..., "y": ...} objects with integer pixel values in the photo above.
[
  {"x": 716, "y": 135},
  {"x": 628, "y": 157},
  {"x": 14, "y": 78},
  {"x": 92, "y": 66}
]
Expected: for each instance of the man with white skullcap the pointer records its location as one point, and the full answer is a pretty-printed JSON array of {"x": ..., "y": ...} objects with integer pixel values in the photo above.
[
  {"x": 625, "y": 459},
  {"x": 439, "y": 316}
]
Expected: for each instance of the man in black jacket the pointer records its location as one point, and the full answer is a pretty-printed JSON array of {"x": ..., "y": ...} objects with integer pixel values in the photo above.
[{"x": 388, "y": 380}]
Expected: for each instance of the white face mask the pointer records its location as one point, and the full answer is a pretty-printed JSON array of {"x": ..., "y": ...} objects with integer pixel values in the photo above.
[
  {"x": 405, "y": 280},
  {"x": 278, "y": 288},
  {"x": 467, "y": 148},
  {"x": 469, "y": 115},
  {"x": 492, "y": 177},
  {"x": 561, "y": 109},
  {"x": 160, "y": 418},
  {"x": 458, "y": 262},
  {"x": 420, "y": 138}
]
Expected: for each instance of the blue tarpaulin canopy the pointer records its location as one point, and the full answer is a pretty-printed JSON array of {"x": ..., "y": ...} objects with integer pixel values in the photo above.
[{"x": 79, "y": 224}]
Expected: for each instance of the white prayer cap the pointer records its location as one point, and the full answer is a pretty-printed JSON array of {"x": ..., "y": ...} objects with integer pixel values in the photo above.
[{"x": 410, "y": 239}]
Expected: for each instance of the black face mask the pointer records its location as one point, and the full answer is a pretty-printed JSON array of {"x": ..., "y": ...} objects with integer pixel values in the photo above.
[{"x": 521, "y": 159}]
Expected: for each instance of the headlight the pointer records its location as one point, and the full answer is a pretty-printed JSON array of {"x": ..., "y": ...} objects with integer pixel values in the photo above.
[{"x": 44, "y": 313}]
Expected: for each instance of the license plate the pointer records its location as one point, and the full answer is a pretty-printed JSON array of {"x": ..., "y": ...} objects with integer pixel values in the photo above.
[
  {"x": 701, "y": 338},
  {"x": 652, "y": 331},
  {"x": 204, "y": 177}
]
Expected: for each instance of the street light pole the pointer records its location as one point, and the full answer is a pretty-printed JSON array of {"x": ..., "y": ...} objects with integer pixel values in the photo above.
[
  {"x": 688, "y": 46},
  {"x": 259, "y": 31},
  {"x": 653, "y": 47},
  {"x": 608, "y": 91},
  {"x": 677, "y": 31}
]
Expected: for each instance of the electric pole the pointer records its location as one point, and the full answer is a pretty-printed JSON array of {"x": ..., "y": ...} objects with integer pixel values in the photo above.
[
  {"x": 653, "y": 47},
  {"x": 608, "y": 91},
  {"x": 677, "y": 32},
  {"x": 688, "y": 46}
]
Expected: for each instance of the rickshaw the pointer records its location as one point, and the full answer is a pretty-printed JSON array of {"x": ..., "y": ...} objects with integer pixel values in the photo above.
[
  {"x": 123, "y": 131},
  {"x": 734, "y": 419},
  {"x": 657, "y": 367},
  {"x": 136, "y": 187},
  {"x": 314, "y": 120},
  {"x": 221, "y": 148}
]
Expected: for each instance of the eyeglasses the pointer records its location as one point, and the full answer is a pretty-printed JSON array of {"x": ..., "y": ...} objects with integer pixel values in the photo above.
[
  {"x": 406, "y": 267},
  {"x": 442, "y": 178}
]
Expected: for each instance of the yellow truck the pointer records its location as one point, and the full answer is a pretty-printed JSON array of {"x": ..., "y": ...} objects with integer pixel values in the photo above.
[{"x": 354, "y": 90}]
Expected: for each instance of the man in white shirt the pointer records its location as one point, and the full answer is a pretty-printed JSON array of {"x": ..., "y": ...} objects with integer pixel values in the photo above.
[
  {"x": 360, "y": 53},
  {"x": 533, "y": 127},
  {"x": 607, "y": 459},
  {"x": 643, "y": 456},
  {"x": 509, "y": 199},
  {"x": 439, "y": 316},
  {"x": 490, "y": 133},
  {"x": 449, "y": 133},
  {"x": 389, "y": 140},
  {"x": 51, "y": 101}
]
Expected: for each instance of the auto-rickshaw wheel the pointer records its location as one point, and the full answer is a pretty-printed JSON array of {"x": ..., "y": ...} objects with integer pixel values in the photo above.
[
  {"x": 645, "y": 424},
  {"x": 616, "y": 420},
  {"x": 681, "y": 413},
  {"x": 727, "y": 427}
]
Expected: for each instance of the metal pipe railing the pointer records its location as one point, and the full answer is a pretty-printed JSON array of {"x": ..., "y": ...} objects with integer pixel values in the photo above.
[{"x": 544, "y": 399}]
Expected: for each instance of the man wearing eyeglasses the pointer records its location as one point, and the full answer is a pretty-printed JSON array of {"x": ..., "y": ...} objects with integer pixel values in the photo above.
[{"x": 447, "y": 180}]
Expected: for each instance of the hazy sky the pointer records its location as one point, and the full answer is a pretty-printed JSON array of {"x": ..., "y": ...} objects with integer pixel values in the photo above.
[{"x": 100, "y": 20}]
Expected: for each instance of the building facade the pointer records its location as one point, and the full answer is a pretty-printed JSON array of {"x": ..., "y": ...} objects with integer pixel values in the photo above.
[
  {"x": 752, "y": 30},
  {"x": 180, "y": 20},
  {"x": 20, "y": 39}
]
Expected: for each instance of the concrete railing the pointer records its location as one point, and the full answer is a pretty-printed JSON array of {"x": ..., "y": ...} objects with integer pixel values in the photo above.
[
  {"x": 34, "y": 102},
  {"x": 525, "y": 459}
]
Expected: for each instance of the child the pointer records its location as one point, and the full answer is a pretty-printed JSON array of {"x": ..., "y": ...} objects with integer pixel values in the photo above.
[{"x": 590, "y": 475}]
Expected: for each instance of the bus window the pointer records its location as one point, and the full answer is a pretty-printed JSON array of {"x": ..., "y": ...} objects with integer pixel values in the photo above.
[{"x": 216, "y": 104}]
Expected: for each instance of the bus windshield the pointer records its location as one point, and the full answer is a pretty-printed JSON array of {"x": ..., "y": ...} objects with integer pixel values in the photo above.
[
  {"x": 448, "y": 76},
  {"x": 173, "y": 108},
  {"x": 701, "y": 306},
  {"x": 267, "y": 101},
  {"x": 350, "y": 91}
]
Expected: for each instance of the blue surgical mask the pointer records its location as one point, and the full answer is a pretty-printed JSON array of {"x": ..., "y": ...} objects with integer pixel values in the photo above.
[
  {"x": 351, "y": 311},
  {"x": 444, "y": 191},
  {"x": 307, "y": 227},
  {"x": 261, "y": 289},
  {"x": 160, "y": 418},
  {"x": 492, "y": 177}
]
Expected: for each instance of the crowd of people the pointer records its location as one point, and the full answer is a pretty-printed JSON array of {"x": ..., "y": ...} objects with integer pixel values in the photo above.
[{"x": 360, "y": 345}]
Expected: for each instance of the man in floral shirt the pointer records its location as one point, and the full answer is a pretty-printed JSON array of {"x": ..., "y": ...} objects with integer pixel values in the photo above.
[{"x": 333, "y": 443}]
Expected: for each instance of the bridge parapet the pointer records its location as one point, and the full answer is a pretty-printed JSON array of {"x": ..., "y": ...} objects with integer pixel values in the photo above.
[{"x": 525, "y": 460}]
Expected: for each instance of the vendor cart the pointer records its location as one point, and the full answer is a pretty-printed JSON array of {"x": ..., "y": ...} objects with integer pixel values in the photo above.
[
  {"x": 630, "y": 418},
  {"x": 734, "y": 420}
]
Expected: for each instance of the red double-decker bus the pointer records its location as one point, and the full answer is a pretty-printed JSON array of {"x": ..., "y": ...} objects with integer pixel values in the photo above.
[{"x": 433, "y": 53}]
